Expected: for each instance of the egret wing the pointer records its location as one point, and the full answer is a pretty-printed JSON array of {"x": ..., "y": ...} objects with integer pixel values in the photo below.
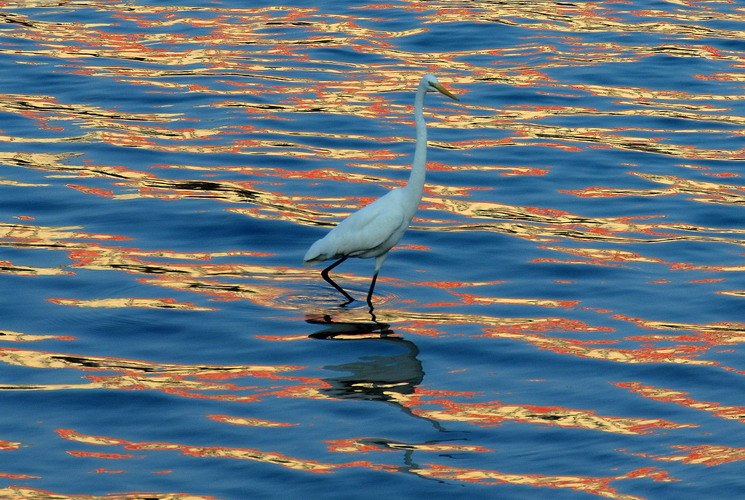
[
  {"x": 370, "y": 232},
  {"x": 374, "y": 229}
]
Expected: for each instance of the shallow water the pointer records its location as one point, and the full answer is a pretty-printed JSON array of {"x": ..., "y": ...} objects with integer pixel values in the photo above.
[{"x": 563, "y": 318}]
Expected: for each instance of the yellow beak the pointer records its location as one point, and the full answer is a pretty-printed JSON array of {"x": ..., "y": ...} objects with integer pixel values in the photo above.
[{"x": 445, "y": 91}]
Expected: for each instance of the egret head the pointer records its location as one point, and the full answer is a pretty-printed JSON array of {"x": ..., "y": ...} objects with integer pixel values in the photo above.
[{"x": 434, "y": 86}]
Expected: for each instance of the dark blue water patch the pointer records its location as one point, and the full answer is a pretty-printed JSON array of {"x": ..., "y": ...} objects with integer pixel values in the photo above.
[
  {"x": 60, "y": 410},
  {"x": 500, "y": 34},
  {"x": 140, "y": 221},
  {"x": 26, "y": 300},
  {"x": 712, "y": 215},
  {"x": 504, "y": 96},
  {"x": 712, "y": 384},
  {"x": 17, "y": 379},
  {"x": 28, "y": 196},
  {"x": 38, "y": 79},
  {"x": 735, "y": 44}
]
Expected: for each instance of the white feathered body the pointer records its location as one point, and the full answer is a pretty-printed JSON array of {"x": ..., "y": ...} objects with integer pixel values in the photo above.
[{"x": 369, "y": 232}]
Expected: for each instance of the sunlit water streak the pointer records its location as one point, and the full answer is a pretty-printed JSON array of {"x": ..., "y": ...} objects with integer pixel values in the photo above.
[{"x": 563, "y": 318}]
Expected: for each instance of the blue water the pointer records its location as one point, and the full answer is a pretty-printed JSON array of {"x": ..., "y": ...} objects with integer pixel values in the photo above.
[{"x": 563, "y": 318}]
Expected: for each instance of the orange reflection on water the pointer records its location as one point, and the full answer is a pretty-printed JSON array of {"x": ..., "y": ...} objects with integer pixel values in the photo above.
[
  {"x": 597, "y": 256},
  {"x": 8, "y": 336},
  {"x": 210, "y": 452},
  {"x": 713, "y": 334},
  {"x": 28, "y": 236},
  {"x": 9, "y": 445},
  {"x": 546, "y": 225},
  {"x": 17, "y": 476},
  {"x": 613, "y": 257},
  {"x": 162, "y": 303},
  {"x": 599, "y": 486},
  {"x": 427, "y": 323},
  {"x": 21, "y": 493},
  {"x": 678, "y": 354},
  {"x": 194, "y": 381},
  {"x": 7, "y": 267},
  {"x": 251, "y": 422},
  {"x": 708, "y": 455},
  {"x": 362, "y": 445},
  {"x": 192, "y": 277},
  {"x": 187, "y": 276},
  {"x": 94, "y": 454},
  {"x": 494, "y": 413},
  {"x": 680, "y": 398},
  {"x": 700, "y": 191},
  {"x": 469, "y": 299}
]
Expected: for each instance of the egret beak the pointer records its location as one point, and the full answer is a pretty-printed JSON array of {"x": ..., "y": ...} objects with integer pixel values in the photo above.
[{"x": 443, "y": 90}]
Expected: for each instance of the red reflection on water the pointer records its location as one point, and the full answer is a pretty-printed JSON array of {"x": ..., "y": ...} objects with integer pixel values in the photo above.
[
  {"x": 598, "y": 256},
  {"x": 495, "y": 413},
  {"x": 94, "y": 454},
  {"x": 17, "y": 476},
  {"x": 8, "y": 336},
  {"x": 20, "y": 492},
  {"x": 9, "y": 445},
  {"x": 713, "y": 334},
  {"x": 192, "y": 381},
  {"x": 252, "y": 422},
  {"x": 696, "y": 190},
  {"x": 678, "y": 354},
  {"x": 362, "y": 445},
  {"x": 680, "y": 398},
  {"x": 471, "y": 299},
  {"x": 212, "y": 452},
  {"x": 599, "y": 486},
  {"x": 708, "y": 455},
  {"x": 154, "y": 303}
]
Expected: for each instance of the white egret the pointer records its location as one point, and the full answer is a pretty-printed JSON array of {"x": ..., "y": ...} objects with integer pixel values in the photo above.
[{"x": 373, "y": 230}]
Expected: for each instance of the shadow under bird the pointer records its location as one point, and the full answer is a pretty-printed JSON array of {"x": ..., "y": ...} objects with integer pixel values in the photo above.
[{"x": 373, "y": 230}]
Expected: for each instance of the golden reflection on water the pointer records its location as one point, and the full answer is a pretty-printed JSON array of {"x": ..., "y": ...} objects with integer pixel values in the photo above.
[
  {"x": 700, "y": 191},
  {"x": 599, "y": 486}
]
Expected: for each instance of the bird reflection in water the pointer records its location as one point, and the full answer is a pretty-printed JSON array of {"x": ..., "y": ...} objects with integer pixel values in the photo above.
[{"x": 388, "y": 378}]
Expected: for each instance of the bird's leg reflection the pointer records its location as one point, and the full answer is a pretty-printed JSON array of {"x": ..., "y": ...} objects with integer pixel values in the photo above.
[
  {"x": 348, "y": 329},
  {"x": 372, "y": 313},
  {"x": 325, "y": 275}
]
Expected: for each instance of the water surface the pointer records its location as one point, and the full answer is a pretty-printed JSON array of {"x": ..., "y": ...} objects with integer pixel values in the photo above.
[{"x": 563, "y": 318}]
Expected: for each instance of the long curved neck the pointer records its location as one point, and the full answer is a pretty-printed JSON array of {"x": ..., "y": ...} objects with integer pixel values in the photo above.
[{"x": 419, "y": 166}]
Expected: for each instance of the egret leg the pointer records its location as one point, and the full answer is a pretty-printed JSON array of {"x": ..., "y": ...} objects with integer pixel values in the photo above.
[
  {"x": 370, "y": 292},
  {"x": 325, "y": 275}
]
